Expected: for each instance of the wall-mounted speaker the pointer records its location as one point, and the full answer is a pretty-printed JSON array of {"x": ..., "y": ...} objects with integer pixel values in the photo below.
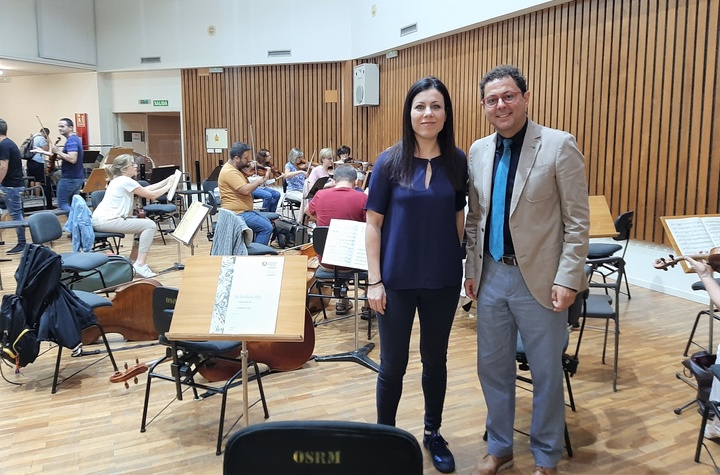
[{"x": 366, "y": 85}]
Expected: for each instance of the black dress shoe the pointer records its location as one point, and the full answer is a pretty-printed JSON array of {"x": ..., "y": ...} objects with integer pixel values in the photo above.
[{"x": 442, "y": 458}]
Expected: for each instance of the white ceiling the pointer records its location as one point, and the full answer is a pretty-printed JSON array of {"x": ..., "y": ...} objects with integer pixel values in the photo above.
[{"x": 13, "y": 68}]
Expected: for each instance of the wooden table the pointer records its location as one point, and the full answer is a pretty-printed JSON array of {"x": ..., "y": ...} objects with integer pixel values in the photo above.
[
  {"x": 602, "y": 224},
  {"x": 196, "y": 298}
]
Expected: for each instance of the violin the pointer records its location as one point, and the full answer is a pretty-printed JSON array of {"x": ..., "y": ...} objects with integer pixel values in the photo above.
[
  {"x": 52, "y": 160},
  {"x": 712, "y": 258}
]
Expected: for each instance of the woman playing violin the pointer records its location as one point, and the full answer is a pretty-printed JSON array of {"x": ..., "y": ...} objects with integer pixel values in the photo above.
[
  {"x": 296, "y": 171},
  {"x": 326, "y": 163}
]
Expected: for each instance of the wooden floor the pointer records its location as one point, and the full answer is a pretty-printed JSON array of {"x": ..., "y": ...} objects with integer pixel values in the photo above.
[{"x": 92, "y": 426}]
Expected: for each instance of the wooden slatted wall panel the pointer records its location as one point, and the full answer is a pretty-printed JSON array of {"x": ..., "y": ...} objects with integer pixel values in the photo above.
[
  {"x": 636, "y": 82},
  {"x": 284, "y": 105}
]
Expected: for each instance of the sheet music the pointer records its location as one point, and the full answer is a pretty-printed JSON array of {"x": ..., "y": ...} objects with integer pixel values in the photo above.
[
  {"x": 248, "y": 295},
  {"x": 190, "y": 223},
  {"x": 175, "y": 180},
  {"x": 345, "y": 245},
  {"x": 695, "y": 235}
]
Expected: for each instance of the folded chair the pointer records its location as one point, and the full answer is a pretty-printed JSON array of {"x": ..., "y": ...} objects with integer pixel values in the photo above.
[
  {"x": 322, "y": 447},
  {"x": 188, "y": 358}
]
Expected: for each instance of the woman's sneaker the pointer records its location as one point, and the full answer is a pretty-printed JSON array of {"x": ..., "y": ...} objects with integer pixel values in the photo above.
[{"x": 143, "y": 271}]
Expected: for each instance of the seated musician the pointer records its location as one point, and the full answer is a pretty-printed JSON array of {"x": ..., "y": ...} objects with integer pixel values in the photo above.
[
  {"x": 705, "y": 272},
  {"x": 270, "y": 196},
  {"x": 236, "y": 192},
  {"x": 114, "y": 213},
  {"x": 342, "y": 201},
  {"x": 296, "y": 171}
]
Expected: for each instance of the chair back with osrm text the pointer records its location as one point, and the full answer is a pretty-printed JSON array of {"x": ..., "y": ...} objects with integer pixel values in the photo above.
[{"x": 322, "y": 447}]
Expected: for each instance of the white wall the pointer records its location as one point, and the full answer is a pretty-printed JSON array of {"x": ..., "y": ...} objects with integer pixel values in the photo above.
[
  {"x": 381, "y": 32},
  {"x": 50, "y": 97},
  {"x": 177, "y": 31}
]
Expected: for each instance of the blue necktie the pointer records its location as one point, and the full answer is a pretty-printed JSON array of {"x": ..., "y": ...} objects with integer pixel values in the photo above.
[{"x": 497, "y": 216}]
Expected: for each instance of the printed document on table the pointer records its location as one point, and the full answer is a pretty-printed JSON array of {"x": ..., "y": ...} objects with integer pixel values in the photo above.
[
  {"x": 248, "y": 295},
  {"x": 345, "y": 244}
]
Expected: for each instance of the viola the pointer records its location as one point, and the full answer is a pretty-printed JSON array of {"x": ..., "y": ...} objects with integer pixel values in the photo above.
[{"x": 712, "y": 258}]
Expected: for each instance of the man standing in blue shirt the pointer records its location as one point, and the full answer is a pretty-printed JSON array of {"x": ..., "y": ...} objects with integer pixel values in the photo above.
[{"x": 73, "y": 171}]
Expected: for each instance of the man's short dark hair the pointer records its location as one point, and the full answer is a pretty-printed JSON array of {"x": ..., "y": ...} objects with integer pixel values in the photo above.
[
  {"x": 67, "y": 121},
  {"x": 45, "y": 131},
  {"x": 345, "y": 173},
  {"x": 3, "y": 127},
  {"x": 504, "y": 71},
  {"x": 343, "y": 149},
  {"x": 238, "y": 149}
]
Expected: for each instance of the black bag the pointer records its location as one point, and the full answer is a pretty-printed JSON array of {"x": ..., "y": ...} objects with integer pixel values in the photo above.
[
  {"x": 118, "y": 270},
  {"x": 290, "y": 233},
  {"x": 20, "y": 345}
]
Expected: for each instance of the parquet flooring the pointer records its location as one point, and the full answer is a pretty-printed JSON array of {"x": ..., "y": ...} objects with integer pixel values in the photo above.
[{"x": 91, "y": 426}]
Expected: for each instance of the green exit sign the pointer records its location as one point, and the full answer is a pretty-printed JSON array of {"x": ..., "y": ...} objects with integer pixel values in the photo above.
[
  {"x": 162, "y": 102},
  {"x": 143, "y": 101}
]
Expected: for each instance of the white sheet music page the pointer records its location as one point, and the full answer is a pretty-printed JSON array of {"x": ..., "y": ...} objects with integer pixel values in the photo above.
[
  {"x": 695, "y": 235},
  {"x": 248, "y": 295},
  {"x": 345, "y": 245},
  {"x": 174, "y": 184}
]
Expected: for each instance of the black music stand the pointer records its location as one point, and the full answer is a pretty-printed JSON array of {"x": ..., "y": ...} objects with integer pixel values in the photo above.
[
  {"x": 347, "y": 249},
  {"x": 188, "y": 227}
]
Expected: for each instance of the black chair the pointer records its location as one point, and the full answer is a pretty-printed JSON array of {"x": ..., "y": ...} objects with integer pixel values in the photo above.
[
  {"x": 713, "y": 406},
  {"x": 44, "y": 296},
  {"x": 569, "y": 361},
  {"x": 208, "y": 188},
  {"x": 623, "y": 225},
  {"x": 322, "y": 447},
  {"x": 161, "y": 211},
  {"x": 187, "y": 358},
  {"x": 606, "y": 307},
  {"x": 711, "y": 312},
  {"x": 45, "y": 227},
  {"x": 289, "y": 204},
  {"x": 338, "y": 279},
  {"x": 103, "y": 239}
]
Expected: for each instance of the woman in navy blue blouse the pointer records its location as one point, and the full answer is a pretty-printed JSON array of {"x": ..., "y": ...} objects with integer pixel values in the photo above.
[{"x": 415, "y": 217}]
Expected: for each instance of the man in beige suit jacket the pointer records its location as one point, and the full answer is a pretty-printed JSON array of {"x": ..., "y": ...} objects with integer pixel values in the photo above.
[{"x": 537, "y": 269}]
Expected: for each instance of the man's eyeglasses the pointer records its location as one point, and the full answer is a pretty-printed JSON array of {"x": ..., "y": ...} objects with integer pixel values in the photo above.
[{"x": 507, "y": 98}]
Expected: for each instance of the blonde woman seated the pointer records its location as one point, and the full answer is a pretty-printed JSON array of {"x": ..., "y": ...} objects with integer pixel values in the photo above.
[{"x": 114, "y": 213}]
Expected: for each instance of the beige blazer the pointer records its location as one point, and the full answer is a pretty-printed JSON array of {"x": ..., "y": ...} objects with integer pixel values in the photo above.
[{"x": 549, "y": 212}]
